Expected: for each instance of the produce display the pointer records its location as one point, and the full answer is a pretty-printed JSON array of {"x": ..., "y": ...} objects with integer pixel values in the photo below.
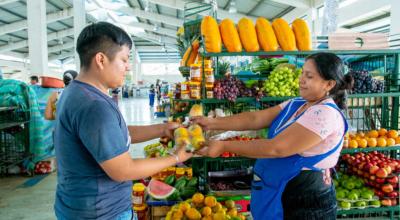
[
  {"x": 265, "y": 35},
  {"x": 204, "y": 207},
  {"x": 248, "y": 35},
  {"x": 191, "y": 53},
  {"x": 284, "y": 34},
  {"x": 351, "y": 193},
  {"x": 302, "y": 34},
  {"x": 283, "y": 81},
  {"x": 172, "y": 189},
  {"x": 211, "y": 34},
  {"x": 365, "y": 83},
  {"x": 377, "y": 171},
  {"x": 230, "y": 36},
  {"x": 373, "y": 138},
  {"x": 159, "y": 149},
  {"x": 237, "y": 138}
]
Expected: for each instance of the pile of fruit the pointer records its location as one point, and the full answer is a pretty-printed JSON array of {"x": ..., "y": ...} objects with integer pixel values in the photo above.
[
  {"x": 229, "y": 88},
  {"x": 283, "y": 81},
  {"x": 159, "y": 149},
  {"x": 365, "y": 83},
  {"x": 351, "y": 193},
  {"x": 43, "y": 167},
  {"x": 373, "y": 138},
  {"x": 378, "y": 171},
  {"x": 237, "y": 138},
  {"x": 205, "y": 208}
]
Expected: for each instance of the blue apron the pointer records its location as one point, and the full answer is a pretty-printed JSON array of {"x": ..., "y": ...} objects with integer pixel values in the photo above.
[{"x": 272, "y": 174}]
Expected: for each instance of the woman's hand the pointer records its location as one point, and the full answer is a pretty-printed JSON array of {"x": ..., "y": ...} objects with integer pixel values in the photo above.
[
  {"x": 169, "y": 129},
  {"x": 182, "y": 154},
  {"x": 212, "y": 149},
  {"x": 204, "y": 122}
]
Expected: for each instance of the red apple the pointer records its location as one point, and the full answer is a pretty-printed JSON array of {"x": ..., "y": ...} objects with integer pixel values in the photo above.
[
  {"x": 373, "y": 169},
  {"x": 361, "y": 165},
  {"x": 380, "y": 180},
  {"x": 381, "y": 173},
  {"x": 393, "y": 194},
  {"x": 387, "y": 188},
  {"x": 379, "y": 193},
  {"x": 346, "y": 156},
  {"x": 394, "y": 180},
  {"x": 394, "y": 202},
  {"x": 372, "y": 177},
  {"x": 386, "y": 202},
  {"x": 388, "y": 169}
]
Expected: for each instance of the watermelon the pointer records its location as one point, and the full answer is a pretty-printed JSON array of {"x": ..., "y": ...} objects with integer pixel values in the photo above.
[{"x": 159, "y": 190}]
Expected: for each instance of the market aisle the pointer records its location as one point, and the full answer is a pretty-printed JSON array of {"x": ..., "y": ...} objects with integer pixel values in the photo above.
[{"x": 36, "y": 202}]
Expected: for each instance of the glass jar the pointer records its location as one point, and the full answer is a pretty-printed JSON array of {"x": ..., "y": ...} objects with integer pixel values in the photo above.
[
  {"x": 171, "y": 170},
  {"x": 141, "y": 212},
  {"x": 195, "y": 90},
  {"x": 209, "y": 75},
  {"x": 138, "y": 194},
  {"x": 195, "y": 72},
  {"x": 189, "y": 172},
  {"x": 179, "y": 172},
  {"x": 185, "y": 95},
  {"x": 210, "y": 90},
  {"x": 185, "y": 86}
]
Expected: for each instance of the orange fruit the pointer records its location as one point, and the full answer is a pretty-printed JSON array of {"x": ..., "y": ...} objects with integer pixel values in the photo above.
[
  {"x": 382, "y": 132},
  {"x": 353, "y": 144},
  {"x": 362, "y": 143},
  {"x": 390, "y": 142},
  {"x": 361, "y": 134},
  {"x": 210, "y": 201},
  {"x": 397, "y": 140},
  {"x": 381, "y": 142},
  {"x": 393, "y": 134},
  {"x": 372, "y": 142},
  {"x": 352, "y": 136},
  {"x": 198, "y": 198},
  {"x": 373, "y": 134}
]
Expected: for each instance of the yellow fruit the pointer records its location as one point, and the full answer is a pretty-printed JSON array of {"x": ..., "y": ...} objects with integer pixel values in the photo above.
[
  {"x": 382, "y": 132},
  {"x": 266, "y": 36},
  {"x": 206, "y": 211},
  {"x": 353, "y": 144},
  {"x": 372, "y": 142},
  {"x": 373, "y": 134},
  {"x": 184, "y": 206},
  {"x": 178, "y": 214},
  {"x": 390, "y": 142},
  {"x": 198, "y": 198},
  {"x": 284, "y": 34},
  {"x": 210, "y": 201},
  {"x": 198, "y": 142},
  {"x": 397, "y": 140},
  {"x": 393, "y": 134},
  {"x": 302, "y": 34},
  {"x": 210, "y": 32},
  {"x": 182, "y": 141},
  {"x": 381, "y": 142},
  {"x": 195, "y": 130},
  {"x": 219, "y": 216},
  {"x": 196, "y": 110},
  {"x": 232, "y": 212},
  {"x": 362, "y": 143},
  {"x": 248, "y": 35},
  {"x": 192, "y": 213},
  {"x": 207, "y": 218},
  {"x": 190, "y": 54},
  {"x": 181, "y": 132},
  {"x": 361, "y": 134},
  {"x": 230, "y": 36},
  {"x": 217, "y": 207},
  {"x": 229, "y": 204},
  {"x": 242, "y": 217}
]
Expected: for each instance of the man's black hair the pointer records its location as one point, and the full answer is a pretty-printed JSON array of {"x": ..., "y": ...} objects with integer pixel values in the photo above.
[
  {"x": 34, "y": 78},
  {"x": 100, "y": 37}
]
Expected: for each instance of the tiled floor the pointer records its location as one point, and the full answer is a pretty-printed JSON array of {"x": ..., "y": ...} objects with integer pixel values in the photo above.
[{"x": 36, "y": 202}]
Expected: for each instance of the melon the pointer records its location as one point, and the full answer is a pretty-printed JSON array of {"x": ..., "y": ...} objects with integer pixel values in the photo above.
[{"x": 159, "y": 190}]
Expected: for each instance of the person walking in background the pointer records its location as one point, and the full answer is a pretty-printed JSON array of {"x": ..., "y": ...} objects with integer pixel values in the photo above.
[
  {"x": 158, "y": 90},
  {"x": 50, "y": 111},
  {"x": 152, "y": 94},
  {"x": 34, "y": 80}
]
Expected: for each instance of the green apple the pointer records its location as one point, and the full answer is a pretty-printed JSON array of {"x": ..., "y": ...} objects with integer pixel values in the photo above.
[
  {"x": 349, "y": 184},
  {"x": 366, "y": 195},
  {"x": 340, "y": 194},
  {"x": 352, "y": 196},
  {"x": 358, "y": 183},
  {"x": 375, "y": 203},
  {"x": 361, "y": 204},
  {"x": 345, "y": 205},
  {"x": 356, "y": 191}
]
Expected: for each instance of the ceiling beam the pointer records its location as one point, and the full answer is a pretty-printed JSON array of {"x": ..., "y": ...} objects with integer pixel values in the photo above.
[
  {"x": 153, "y": 48},
  {"x": 4, "y": 2},
  {"x": 306, "y": 4},
  {"x": 365, "y": 8},
  {"x": 50, "y": 37},
  {"x": 180, "y": 4},
  {"x": 159, "y": 39},
  {"x": 60, "y": 47},
  {"x": 61, "y": 56},
  {"x": 21, "y": 25}
]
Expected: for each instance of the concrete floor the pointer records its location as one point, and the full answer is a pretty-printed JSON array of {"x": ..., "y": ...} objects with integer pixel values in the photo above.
[{"x": 36, "y": 202}]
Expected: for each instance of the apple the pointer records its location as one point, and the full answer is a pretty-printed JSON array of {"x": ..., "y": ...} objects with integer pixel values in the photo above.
[
  {"x": 346, "y": 156},
  {"x": 367, "y": 195},
  {"x": 373, "y": 169},
  {"x": 394, "y": 179},
  {"x": 360, "y": 172},
  {"x": 388, "y": 169},
  {"x": 355, "y": 169},
  {"x": 352, "y": 196},
  {"x": 393, "y": 194},
  {"x": 345, "y": 205},
  {"x": 381, "y": 173},
  {"x": 375, "y": 203},
  {"x": 366, "y": 175},
  {"x": 372, "y": 177},
  {"x": 387, "y": 188},
  {"x": 340, "y": 194},
  {"x": 349, "y": 184},
  {"x": 394, "y": 202},
  {"x": 380, "y": 180},
  {"x": 361, "y": 204},
  {"x": 379, "y": 193},
  {"x": 386, "y": 202},
  {"x": 361, "y": 165}
]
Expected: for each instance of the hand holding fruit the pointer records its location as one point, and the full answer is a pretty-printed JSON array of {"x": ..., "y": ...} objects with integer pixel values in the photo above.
[
  {"x": 182, "y": 154},
  {"x": 204, "y": 122},
  {"x": 169, "y": 129},
  {"x": 213, "y": 149}
]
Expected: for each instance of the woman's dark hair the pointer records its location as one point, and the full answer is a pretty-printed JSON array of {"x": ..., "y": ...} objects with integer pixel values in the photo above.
[
  {"x": 331, "y": 67},
  {"x": 68, "y": 76}
]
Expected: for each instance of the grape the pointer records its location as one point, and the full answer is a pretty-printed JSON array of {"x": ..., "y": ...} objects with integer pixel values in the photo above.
[
  {"x": 283, "y": 82},
  {"x": 365, "y": 83}
]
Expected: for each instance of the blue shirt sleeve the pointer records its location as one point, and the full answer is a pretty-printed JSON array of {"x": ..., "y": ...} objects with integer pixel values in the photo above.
[{"x": 99, "y": 128}]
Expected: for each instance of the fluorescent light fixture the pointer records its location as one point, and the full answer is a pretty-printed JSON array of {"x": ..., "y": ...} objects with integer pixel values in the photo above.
[{"x": 232, "y": 7}]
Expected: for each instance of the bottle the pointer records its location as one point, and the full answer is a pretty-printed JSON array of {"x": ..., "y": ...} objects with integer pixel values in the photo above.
[{"x": 138, "y": 194}]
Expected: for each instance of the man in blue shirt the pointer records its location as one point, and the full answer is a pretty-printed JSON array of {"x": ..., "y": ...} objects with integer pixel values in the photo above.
[{"x": 91, "y": 137}]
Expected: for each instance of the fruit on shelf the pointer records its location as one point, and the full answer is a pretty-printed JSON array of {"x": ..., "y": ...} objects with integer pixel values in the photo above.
[
  {"x": 195, "y": 130},
  {"x": 373, "y": 138},
  {"x": 365, "y": 83},
  {"x": 345, "y": 205},
  {"x": 196, "y": 110},
  {"x": 266, "y": 36},
  {"x": 387, "y": 188},
  {"x": 248, "y": 35},
  {"x": 283, "y": 82},
  {"x": 381, "y": 173},
  {"x": 190, "y": 55},
  {"x": 302, "y": 34},
  {"x": 210, "y": 32},
  {"x": 159, "y": 190},
  {"x": 230, "y": 36},
  {"x": 284, "y": 34}
]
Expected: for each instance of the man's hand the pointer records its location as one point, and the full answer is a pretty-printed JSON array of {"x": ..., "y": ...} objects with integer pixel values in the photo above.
[
  {"x": 169, "y": 129},
  {"x": 204, "y": 122},
  {"x": 212, "y": 149}
]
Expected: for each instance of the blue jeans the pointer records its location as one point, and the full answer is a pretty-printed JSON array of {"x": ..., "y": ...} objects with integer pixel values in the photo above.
[
  {"x": 127, "y": 215},
  {"x": 151, "y": 97}
]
